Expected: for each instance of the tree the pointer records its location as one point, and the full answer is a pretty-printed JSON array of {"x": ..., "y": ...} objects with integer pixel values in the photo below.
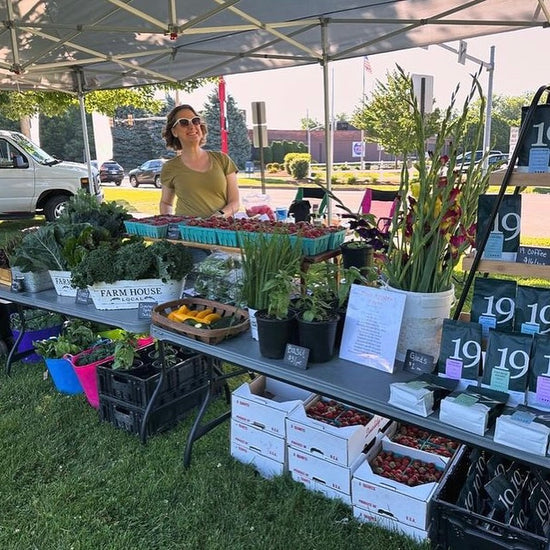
[
  {"x": 17, "y": 106},
  {"x": 62, "y": 135},
  {"x": 386, "y": 119},
  {"x": 238, "y": 141},
  {"x": 311, "y": 123},
  {"x": 506, "y": 112},
  {"x": 133, "y": 145}
]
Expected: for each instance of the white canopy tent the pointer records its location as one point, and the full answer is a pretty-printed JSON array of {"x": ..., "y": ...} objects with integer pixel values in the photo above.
[{"x": 76, "y": 46}]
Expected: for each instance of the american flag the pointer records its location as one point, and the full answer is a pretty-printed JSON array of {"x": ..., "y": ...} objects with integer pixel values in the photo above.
[{"x": 366, "y": 65}]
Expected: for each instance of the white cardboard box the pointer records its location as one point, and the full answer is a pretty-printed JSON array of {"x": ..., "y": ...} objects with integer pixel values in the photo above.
[
  {"x": 264, "y": 466},
  {"x": 390, "y": 523},
  {"x": 378, "y": 494},
  {"x": 341, "y": 445},
  {"x": 401, "y": 449},
  {"x": 249, "y": 404},
  {"x": 257, "y": 440},
  {"x": 314, "y": 485},
  {"x": 322, "y": 472}
]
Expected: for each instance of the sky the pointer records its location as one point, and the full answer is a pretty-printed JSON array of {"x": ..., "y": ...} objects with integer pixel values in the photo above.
[{"x": 522, "y": 64}]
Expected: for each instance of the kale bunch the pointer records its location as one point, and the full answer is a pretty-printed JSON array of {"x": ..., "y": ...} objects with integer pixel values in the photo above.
[
  {"x": 173, "y": 260},
  {"x": 96, "y": 266},
  {"x": 133, "y": 260},
  {"x": 84, "y": 208}
]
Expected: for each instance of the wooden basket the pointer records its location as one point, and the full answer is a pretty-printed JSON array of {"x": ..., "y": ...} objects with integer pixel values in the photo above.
[{"x": 160, "y": 313}]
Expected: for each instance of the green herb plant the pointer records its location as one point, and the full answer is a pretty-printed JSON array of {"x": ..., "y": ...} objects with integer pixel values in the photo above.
[
  {"x": 263, "y": 256},
  {"x": 36, "y": 319},
  {"x": 125, "y": 351},
  {"x": 76, "y": 336},
  {"x": 280, "y": 289}
]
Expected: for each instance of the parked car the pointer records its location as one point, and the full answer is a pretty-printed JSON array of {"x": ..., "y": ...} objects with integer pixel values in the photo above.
[
  {"x": 466, "y": 158},
  {"x": 494, "y": 161},
  {"x": 33, "y": 182},
  {"x": 148, "y": 172},
  {"x": 111, "y": 171}
]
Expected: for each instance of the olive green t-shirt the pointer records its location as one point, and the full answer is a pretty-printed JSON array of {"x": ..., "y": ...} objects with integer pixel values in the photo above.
[{"x": 199, "y": 194}]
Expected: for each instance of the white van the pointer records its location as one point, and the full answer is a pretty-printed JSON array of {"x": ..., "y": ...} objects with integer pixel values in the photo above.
[{"x": 33, "y": 182}]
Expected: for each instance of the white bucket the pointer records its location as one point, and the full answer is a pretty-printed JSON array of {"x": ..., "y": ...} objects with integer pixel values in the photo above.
[
  {"x": 422, "y": 321},
  {"x": 62, "y": 283}
]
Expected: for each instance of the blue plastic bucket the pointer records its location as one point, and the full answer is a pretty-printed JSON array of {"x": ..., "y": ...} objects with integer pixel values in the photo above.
[{"x": 63, "y": 376}]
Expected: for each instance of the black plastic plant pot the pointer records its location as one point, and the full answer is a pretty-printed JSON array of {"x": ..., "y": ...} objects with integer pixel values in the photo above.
[
  {"x": 319, "y": 337},
  {"x": 356, "y": 254},
  {"x": 275, "y": 334}
]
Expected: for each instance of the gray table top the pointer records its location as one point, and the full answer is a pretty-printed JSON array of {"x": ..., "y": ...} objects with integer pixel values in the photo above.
[
  {"x": 348, "y": 382},
  {"x": 126, "y": 319}
]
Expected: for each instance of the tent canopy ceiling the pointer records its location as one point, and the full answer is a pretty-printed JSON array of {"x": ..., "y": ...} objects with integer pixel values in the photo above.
[{"x": 72, "y": 45}]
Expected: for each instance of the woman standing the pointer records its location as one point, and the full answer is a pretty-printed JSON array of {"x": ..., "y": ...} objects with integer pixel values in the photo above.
[{"x": 203, "y": 183}]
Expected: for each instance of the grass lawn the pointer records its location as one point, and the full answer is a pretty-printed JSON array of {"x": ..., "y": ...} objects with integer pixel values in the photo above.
[{"x": 71, "y": 482}]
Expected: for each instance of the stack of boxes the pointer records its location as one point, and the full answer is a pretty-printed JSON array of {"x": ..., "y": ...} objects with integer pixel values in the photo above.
[
  {"x": 258, "y": 431},
  {"x": 330, "y": 447},
  {"x": 325, "y": 449},
  {"x": 398, "y": 505}
]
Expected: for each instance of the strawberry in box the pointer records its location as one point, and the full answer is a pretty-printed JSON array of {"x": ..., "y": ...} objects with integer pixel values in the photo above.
[{"x": 331, "y": 430}]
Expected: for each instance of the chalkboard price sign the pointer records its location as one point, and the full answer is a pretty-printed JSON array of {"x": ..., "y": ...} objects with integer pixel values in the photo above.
[
  {"x": 533, "y": 255},
  {"x": 145, "y": 309},
  {"x": 173, "y": 231},
  {"x": 82, "y": 296},
  {"x": 296, "y": 356},
  {"x": 418, "y": 362}
]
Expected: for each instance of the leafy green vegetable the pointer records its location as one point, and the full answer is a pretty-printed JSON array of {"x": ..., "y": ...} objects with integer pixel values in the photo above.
[
  {"x": 36, "y": 319},
  {"x": 84, "y": 208},
  {"x": 57, "y": 246},
  {"x": 97, "y": 353},
  {"x": 133, "y": 260},
  {"x": 76, "y": 336}
]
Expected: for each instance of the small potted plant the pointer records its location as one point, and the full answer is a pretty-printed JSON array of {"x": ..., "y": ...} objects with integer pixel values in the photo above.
[
  {"x": 263, "y": 256},
  {"x": 317, "y": 313},
  {"x": 277, "y": 323}
]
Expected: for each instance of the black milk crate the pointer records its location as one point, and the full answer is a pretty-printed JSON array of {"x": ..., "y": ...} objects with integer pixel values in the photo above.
[
  {"x": 163, "y": 417},
  {"x": 135, "y": 387},
  {"x": 455, "y": 527}
]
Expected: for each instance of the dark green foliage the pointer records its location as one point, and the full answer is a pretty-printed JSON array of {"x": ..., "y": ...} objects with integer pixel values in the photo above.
[
  {"x": 57, "y": 246},
  {"x": 238, "y": 141},
  {"x": 278, "y": 151},
  {"x": 133, "y": 260},
  {"x": 173, "y": 260},
  {"x": 76, "y": 336},
  {"x": 96, "y": 354},
  {"x": 98, "y": 265},
  {"x": 36, "y": 319},
  {"x": 84, "y": 208},
  {"x": 62, "y": 136}
]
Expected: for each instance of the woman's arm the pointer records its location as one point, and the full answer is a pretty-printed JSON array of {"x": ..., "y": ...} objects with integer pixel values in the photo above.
[
  {"x": 233, "y": 200},
  {"x": 167, "y": 196}
]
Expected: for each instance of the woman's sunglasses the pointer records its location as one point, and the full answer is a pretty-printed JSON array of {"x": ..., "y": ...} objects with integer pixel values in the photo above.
[{"x": 195, "y": 121}]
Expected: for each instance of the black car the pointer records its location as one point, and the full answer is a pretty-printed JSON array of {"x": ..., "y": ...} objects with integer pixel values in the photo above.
[
  {"x": 111, "y": 171},
  {"x": 148, "y": 172}
]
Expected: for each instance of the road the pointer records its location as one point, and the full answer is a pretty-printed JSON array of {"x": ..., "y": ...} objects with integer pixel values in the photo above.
[{"x": 534, "y": 219}]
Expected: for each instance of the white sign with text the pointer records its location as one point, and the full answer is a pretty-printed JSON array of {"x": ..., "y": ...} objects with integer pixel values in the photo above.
[{"x": 371, "y": 328}]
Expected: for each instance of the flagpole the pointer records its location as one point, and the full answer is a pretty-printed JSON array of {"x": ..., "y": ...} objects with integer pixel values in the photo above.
[{"x": 362, "y": 106}]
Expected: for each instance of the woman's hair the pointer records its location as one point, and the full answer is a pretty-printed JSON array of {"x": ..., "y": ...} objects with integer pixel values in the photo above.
[{"x": 173, "y": 142}]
